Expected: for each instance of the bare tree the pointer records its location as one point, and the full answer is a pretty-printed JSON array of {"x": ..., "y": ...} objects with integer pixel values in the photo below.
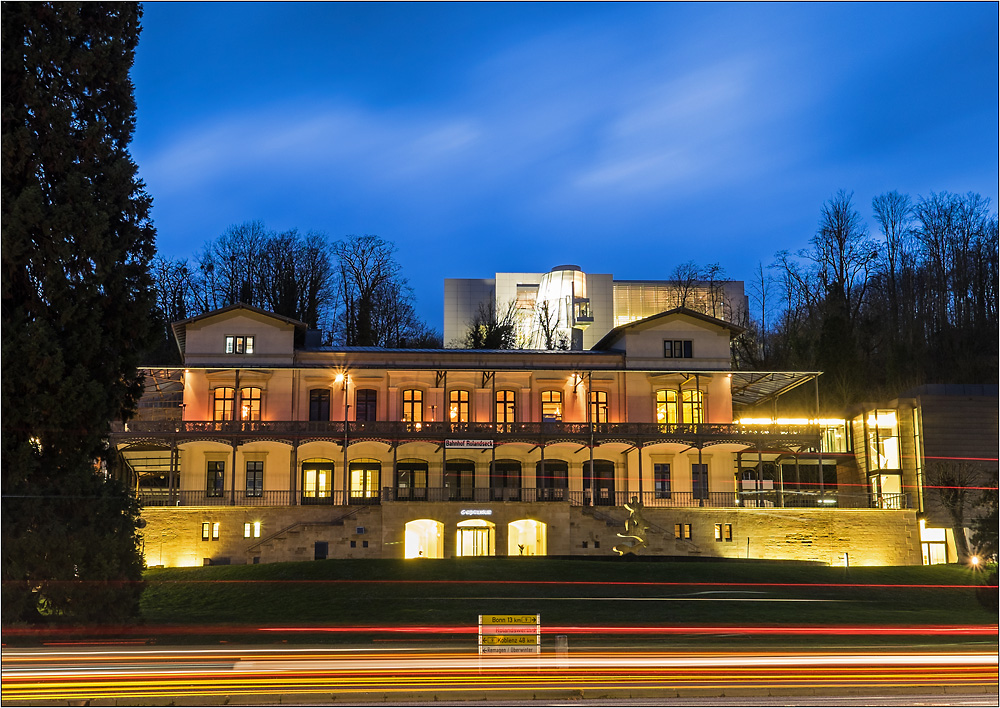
[
  {"x": 232, "y": 266},
  {"x": 843, "y": 253},
  {"x": 549, "y": 320},
  {"x": 297, "y": 276},
  {"x": 365, "y": 264},
  {"x": 954, "y": 485},
  {"x": 493, "y": 329},
  {"x": 685, "y": 276},
  {"x": 173, "y": 287},
  {"x": 894, "y": 214}
]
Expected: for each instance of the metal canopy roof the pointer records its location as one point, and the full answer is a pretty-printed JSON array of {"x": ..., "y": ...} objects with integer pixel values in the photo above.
[{"x": 751, "y": 388}]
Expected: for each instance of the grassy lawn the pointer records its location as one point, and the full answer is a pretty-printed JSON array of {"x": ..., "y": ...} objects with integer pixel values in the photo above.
[{"x": 618, "y": 592}]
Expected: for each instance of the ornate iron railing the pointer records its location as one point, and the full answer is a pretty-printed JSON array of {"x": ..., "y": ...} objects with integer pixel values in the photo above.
[
  {"x": 830, "y": 499},
  {"x": 396, "y": 430}
]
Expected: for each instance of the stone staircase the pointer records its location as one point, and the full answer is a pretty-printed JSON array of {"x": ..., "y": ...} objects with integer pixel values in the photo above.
[{"x": 294, "y": 543}]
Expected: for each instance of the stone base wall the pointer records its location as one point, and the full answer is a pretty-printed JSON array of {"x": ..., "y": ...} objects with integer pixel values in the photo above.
[
  {"x": 868, "y": 536},
  {"x": 173, "y": 535}
]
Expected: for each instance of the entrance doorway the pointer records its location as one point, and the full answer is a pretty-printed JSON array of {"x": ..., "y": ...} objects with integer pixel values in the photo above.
[
  {"x": 601, "y": 479},
  {"x": 365, "y": 480},
  {"x": 476, "y": 537}
]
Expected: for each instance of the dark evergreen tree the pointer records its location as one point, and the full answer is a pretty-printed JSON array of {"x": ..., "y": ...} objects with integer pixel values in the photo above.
[{"x": 77, "y": 242}]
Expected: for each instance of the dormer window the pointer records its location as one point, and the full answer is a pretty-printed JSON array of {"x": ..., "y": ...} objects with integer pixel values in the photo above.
[
  {"x": 677, "y": 348},
  {"x": 240, "y": 344}
]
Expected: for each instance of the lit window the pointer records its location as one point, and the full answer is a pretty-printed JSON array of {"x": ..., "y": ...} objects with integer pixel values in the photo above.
[
  {"x": 241, "y": 344},
  {"x": 599, "y": 406},
  {"x": 506, "y": 407},
  {"x": 413, "y": 405},
  {"x": 215, "y": 531},
  {"x": 682, "y": 531},
  {"x": 316, "y": 479},
  {"x": 666, "y": 407},
  {"x": 225, "y": 399},
  {"x": 551, "y": 406},
  {"x": 205, "y": 531},
  {"x": 677, "y": 348},
  {"x": 727, "y": 530},
  {"x": 718, "y": 532},
  {"x": 365, "y": 479},
  {"x": 883, "y": 440},
  {"x": 459, "y": 412},
  {"x": 250, "y": 403},
  {"x": 256, "y": 529},
  {"x": 246, "y": 530},
  {"x": 691, "y": 403}
]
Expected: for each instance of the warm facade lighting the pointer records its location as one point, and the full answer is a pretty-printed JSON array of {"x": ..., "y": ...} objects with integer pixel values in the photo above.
[
  {"x": 790, "y": 421},
  {"x": 884, "y": 419}
]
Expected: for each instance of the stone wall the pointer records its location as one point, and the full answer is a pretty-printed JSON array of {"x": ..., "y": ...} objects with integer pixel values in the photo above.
[
  {"x": 173, "y": 535},
  {"x": 868, "y": 536}
]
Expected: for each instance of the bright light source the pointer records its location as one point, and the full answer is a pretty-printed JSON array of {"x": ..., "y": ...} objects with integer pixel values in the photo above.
[
  {"x": 974, "y": 560},
  {"x": 339, "y": 378}
]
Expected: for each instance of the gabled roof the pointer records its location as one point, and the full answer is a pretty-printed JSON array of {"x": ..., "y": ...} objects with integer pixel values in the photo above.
[
  {"x": 180, "y": 328},
  {"x": 614, "y": 334}
]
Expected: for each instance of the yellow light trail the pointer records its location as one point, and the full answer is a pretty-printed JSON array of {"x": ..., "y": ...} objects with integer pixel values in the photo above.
[{"x": 166, "y": 674}]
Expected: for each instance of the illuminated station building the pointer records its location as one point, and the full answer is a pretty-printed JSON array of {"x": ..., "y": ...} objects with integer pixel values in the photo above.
[{"x": 264, "y": 446}]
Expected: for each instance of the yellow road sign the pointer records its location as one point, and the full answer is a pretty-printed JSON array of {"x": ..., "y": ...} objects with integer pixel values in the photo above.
[
  {"x": 509, "y": 619},
  {"x": 495, "y": 639}
]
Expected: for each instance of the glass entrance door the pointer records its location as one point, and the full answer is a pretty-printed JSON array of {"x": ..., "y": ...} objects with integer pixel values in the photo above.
[{"x": 475, "y": 538}]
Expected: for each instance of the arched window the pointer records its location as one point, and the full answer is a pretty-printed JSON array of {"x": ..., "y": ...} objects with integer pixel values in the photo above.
[
  {"x": 505, "y": 480},
  {"x": 250, "y": 403},
  {"x": 367, "y": 405},
  {"x": 506, "y": 407},
  {"x": 458, "y": 406},
  {"x": 460, "y": 479},
  {"x": 666, "y": 407},
  {"x": 691, "y": 403},
  {"x": 413, "y": 405},
  {"x": 551, "y": 480},
  {"x": 317, "y": 479},
  {"x": 551, "y": 406},
  {"x": 319, "y": 404},
  {"x": 423, "y": 538},
  {"x": 601, "y": 479},
  {"x": 224, "y": 400},
  {"x": 526, "y": 537},
  {"x": 366, "y": 481},
  {"x": 411, "y": 479}
]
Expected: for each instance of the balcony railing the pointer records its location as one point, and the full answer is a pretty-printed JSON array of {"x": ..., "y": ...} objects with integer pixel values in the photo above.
[
  {"x": 831, "y": 499},
  {"x": 396, "y": 430}
]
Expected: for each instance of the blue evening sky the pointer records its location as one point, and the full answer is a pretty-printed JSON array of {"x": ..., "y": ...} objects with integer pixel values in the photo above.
[{"x": 624, "y": 138}]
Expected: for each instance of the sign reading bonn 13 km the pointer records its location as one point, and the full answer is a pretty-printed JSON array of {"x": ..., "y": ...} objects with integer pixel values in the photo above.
[{"x": 510, "y": 634}]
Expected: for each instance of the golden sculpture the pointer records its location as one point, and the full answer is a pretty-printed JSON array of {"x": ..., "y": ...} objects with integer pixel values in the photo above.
[{"x": 635, "y": 530}]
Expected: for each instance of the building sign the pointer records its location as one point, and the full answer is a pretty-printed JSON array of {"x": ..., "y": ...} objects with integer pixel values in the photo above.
[
  {"x": 476, "y": 512},
  {"x": 468, "y": 444},
  {"x": 510, "y": 634}
]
